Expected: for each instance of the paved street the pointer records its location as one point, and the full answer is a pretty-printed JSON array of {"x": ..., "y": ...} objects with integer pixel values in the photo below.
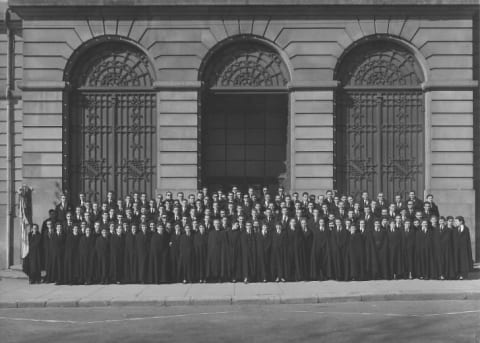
[{"x": 396, "y": 321}]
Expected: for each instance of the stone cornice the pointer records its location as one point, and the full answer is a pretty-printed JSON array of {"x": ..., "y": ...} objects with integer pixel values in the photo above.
[
  {"x": 42, "y": 85},
  {"x": 450, "y": 84},
  {"x": 177, "y": 85}
]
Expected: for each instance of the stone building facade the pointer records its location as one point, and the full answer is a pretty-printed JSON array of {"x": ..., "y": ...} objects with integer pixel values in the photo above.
[{"x": 175, "y": 95}]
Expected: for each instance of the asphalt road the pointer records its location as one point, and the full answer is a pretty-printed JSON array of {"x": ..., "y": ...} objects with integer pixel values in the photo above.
[{"x": 394, "y": 321}]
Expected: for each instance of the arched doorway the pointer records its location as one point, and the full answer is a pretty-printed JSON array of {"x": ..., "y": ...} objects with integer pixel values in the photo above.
[
  {"x": 244, "y": 117},
  {"x": 111, "y": 136},
  {"x": 379, "y": 121}
]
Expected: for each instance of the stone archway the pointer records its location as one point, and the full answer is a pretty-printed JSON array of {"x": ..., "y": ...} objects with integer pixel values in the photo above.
[
  {"x": 244, "y": 117},
  {"x": 111, "y": 130},
  {"x": 379, "y": 121}
]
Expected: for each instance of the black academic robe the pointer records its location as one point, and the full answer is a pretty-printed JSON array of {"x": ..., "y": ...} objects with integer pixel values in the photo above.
[
  {"x": 174, "y": 254},
  {"x": 86, "y": 252},
  {"x": 356, "y": 257},
  {"x": 71, "y": 265},
  {"x": 380, "y": 244},
  {"x": 200, "y": 242},
  {"x": 307, "y": 243},
  {"x": 47, "y": 243},
  {"x": 463, "y": 251},
  {"x": 338, "y": 253},
  {"x": 185, "y": 258},
  {"x": 263, "y": 246},
  {"x": 279, "y": 251},
  {"x": 58, "y": 254},
  {"x": 130, "y": 259},
  {"x": 34, "y": 256},
  {"x": 117, "y": 254},
  {"x": 234, "y": 254},
  {"x": 158, "y": 258},
  {"x": 216, "y": 255},
  {"x": 424, "y": 263},
  {"x": 446, "y": 265},
  {"x": 142, "y": 245},
  {"x": 319, "y": 257},
  {"x": 409, "y": 238},
  {"x": 248, "y": 255},
  {"x": 295, "y": 255},
  {"x": 371, "y": 264},
  {"x": 395, "y": 253},
  {"x": 102, "y": 256}
]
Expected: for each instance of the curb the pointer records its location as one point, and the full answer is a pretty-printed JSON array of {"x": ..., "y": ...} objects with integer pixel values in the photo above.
[{"x": 244, "y": 300}]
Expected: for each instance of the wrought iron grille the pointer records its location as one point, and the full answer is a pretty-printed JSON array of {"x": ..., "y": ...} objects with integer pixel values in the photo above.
[
  {"x": 112, "y": 129},
  {"x": 379, "y": 137}
]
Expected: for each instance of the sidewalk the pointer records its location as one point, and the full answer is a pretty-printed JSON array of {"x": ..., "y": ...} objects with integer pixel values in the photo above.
[{"x": 19, "y": 293}]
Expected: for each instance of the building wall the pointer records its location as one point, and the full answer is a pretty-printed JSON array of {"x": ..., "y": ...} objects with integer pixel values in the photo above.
[
  {"x": 312, "y": 48},
  {"x": 18, "y": 136}
]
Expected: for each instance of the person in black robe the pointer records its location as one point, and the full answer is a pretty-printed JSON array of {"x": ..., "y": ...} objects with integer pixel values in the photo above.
[
  {"x": 234, "y": 253},
  {"x": 185, "y": 256},
  {"x": 307, "y": 244},
  {"x": 216, "y": 247},
  {"x": 86, "y": 252},
  {"x": 295, "y": 252},
  {"x": 174, "y": 253},
  {"x": 279, "y": 250},
  {"x": 200, "y": 240},
  {"x": 102, "y": 257},
  {"x": 117, "y": 254},
  {"x": 158, "y": 258},
  {"x": 34, "y": 254},
  {"x": 370, "y": 262},
  {"x": 424, "y": 252},
  {"x": 58, "y": 254},
  {"x": 263, "y": 245},
  {"x": 395, "y": 251},
  {"x": 380, "y": 245},
  {"x": 248, "y": 253},
  {"x": 319, "y": 257},
  {"x": 339, "y": 245},
  {"x": 142, "y": 244},
  {"x": 446, "y": 267},
  {"x": 436, "y": 249},
  {"x": 130, "y": 259},
  {"x": 356, "y": 255},
  {"x": 408, "y": 250},
  {"x": 463, "y": 248},
  {"x": 47, "y": 243},
  {"x": 72, "y": 257}
]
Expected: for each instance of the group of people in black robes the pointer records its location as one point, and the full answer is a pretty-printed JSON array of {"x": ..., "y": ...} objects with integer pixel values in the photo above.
[{"x": 247, "y": 237}]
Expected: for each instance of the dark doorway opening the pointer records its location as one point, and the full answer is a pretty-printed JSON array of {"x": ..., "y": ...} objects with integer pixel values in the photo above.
[{"x": 244, "y": 140}]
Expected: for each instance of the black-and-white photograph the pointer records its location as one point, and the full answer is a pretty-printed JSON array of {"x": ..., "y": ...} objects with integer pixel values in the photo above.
[{"x": 239, "y": 171}]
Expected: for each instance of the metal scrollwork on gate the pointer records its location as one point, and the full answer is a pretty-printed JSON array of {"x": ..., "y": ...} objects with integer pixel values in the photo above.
[
  {"x": 380, "y": 121},
  {"x": 112, "y": 140},
  {"x": 248, "y": 65}
]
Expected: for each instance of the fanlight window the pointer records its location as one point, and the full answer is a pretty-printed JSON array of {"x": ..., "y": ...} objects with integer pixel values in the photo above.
[
  {"x": 381, "y": 64},
  {"x": 115, "y": 65},
  {"x": 247, "y": 64}
]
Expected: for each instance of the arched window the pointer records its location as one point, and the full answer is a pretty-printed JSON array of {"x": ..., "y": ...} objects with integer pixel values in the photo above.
[
  {"x": 111, "y": 138},
  {"x": 379, "y": 121},
  {"x": 244, "y": 117}
]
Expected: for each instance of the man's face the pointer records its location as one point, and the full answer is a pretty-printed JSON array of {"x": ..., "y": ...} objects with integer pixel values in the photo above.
[{"x": 411, "y": 195}]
